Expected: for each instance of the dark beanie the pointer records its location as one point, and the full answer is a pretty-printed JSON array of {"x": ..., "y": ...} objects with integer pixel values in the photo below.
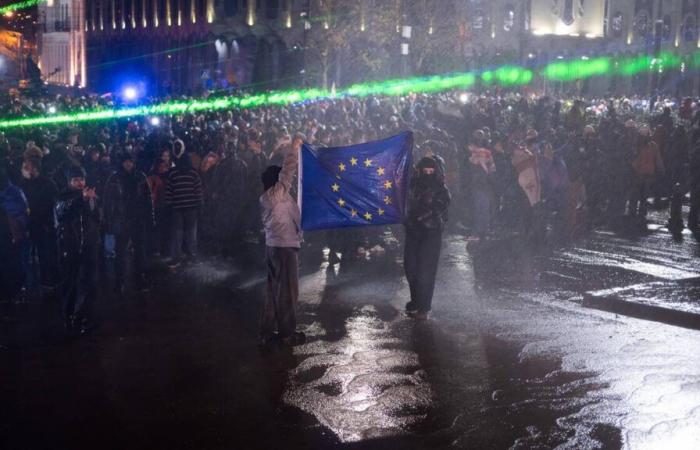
[
  {"x": 76, "y": 172},
  {"x": 270, "y": 176}
]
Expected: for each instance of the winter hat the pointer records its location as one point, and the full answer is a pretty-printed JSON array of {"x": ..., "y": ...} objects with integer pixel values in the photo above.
[{"x": 76, "y": 172}]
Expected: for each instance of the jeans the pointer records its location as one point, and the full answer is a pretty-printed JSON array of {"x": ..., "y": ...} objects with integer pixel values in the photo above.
[
  {"x": 184, "y": 223},
  {"x": 420, "y": 261},
  {"x": 482, "y": 201},
  {"x": 109, "y": 245},
  {"x": 279, "y": 310}
]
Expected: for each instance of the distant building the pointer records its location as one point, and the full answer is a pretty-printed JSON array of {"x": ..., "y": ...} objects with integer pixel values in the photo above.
[
  {"x": 180, "y": 46},
  {"x": 61, "y": 42},
  {"x": 184, "y": 46}
]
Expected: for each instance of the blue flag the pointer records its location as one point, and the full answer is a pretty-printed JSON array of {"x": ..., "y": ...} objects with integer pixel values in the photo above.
[{"x": 355, "y": 186}]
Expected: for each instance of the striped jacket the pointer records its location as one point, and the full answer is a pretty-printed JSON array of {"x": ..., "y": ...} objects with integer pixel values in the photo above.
[{"x": 183, "y": 189}]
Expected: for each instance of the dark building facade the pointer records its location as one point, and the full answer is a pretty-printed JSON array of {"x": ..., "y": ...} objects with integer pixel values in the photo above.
[{"x": 184, "y": 46}]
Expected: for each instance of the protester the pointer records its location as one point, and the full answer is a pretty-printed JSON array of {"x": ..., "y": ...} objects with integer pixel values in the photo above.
[
  {"x": 128, "y": 215},
  {"x": 78, "y": 243},
  {"x": 41, "y": 196},
  {"x": 183, "y": 195},
  {"x": 647, "y": 165},
  {"x": 281, "y": 219},
  {"x": 429, "y": 200}
]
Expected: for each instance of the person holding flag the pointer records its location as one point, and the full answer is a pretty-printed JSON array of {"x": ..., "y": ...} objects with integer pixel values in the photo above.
[
  {"x": 281, "y": 219},
  {"x": 428, "y": 201}
]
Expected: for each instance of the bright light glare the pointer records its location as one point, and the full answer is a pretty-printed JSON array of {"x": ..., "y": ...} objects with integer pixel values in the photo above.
[
  {"x": 464, "y": 97},
  {"x": 155, "y": 121},
  {"x": 130, "y": 93},
  {"x": 52, "y": 109}
]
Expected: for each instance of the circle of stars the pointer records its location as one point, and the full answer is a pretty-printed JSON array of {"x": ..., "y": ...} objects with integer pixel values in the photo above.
[{"x": 386, "y": 185}]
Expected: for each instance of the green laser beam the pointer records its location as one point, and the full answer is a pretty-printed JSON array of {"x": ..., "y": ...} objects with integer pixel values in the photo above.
[
  {"x": 509, "y": 75},
  {"x": 19, "y": 5}
]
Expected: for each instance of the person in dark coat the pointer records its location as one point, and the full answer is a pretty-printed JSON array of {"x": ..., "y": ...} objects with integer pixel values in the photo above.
[
  {"x": 41, "y": 195},
  {"x": 128, "y": 215},
  {"x": 16, "y": 220},
  {"x": 78, "y": 224},
  {"x": 429, "y": 200}
]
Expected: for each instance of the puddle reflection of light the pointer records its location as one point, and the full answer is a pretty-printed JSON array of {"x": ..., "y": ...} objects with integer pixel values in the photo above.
[{"x": 371, "y": 390}]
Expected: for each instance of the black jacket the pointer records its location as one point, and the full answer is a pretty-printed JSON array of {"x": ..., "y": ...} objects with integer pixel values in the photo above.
[
  {"x": 78, "y": 224},
  {"x": 127, "y": 199},
  {"x": 428, "y": 202},
  {"x": 41, "y": 195}
]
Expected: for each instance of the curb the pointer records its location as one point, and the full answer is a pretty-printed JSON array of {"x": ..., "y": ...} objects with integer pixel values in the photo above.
[{"x": 615, "y": 304}]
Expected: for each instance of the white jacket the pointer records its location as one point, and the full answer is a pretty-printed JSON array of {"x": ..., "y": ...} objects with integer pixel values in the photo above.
[{"x": 280, "y": 213}]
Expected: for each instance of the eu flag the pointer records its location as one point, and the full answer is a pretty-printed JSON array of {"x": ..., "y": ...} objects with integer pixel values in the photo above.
[{"x": 355, "y": 186}]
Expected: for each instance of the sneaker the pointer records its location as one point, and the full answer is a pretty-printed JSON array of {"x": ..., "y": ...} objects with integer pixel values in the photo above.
[{"x": 420, "y": 315}]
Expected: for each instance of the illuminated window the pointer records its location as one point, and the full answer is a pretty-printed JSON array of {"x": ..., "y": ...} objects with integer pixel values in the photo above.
[
  {"x": 509, "y": 18},
  {"x": 617, "y": 24}
]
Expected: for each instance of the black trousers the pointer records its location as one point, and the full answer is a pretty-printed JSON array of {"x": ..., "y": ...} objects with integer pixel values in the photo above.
[
  {"x": 694, "y": 213},
  {"x": 135, "y": 233},
  {"x": 279, "y": 310},
  {"x": 78, "y": 288},
  {"x": 420, "y": 261}
]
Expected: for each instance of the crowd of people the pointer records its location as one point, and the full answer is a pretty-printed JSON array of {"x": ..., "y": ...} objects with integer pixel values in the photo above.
[{"x": 171, "y": 188}]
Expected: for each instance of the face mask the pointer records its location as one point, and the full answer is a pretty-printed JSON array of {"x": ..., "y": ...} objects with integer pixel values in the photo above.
[{"x": 25, "y": 174}]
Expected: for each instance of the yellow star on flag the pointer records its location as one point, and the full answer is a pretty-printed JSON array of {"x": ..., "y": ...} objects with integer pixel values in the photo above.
[
  {"x": 387, "y": 184},
  {"x": 341, "y": 202},
  {"x": 380, "y": 171},
  {"x": 335, "y": 187},
  {"x": 353, "y": 161},
  {"x": 368, "y": 216},
  {"x": 380, "y": 212},
  {"x": 387, "y": 200},
  {"x": 353, "y": 213},
  {"x": 341, "y": 166},
  {"x": 368, "y": 162}
]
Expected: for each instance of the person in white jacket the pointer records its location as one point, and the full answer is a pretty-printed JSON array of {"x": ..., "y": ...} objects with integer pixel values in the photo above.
[{"x": 282, "y": 221}]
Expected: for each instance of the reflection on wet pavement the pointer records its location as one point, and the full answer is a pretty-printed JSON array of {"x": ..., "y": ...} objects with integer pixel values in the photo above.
[{"x": 509, "y": 358}]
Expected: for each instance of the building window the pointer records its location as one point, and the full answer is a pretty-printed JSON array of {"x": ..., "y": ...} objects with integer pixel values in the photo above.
[
  {"x": 272, "y": 9},
  {"x": 478, "y": 20},
  {"x": 666, "y": 28},
  {"x": 509, "y": 18},
  {"x": 690, "y": 29},
  {"x": 618, "y": 23},
  {"x": 641, "y": 24},
  {"x": 230, "y": 7}
]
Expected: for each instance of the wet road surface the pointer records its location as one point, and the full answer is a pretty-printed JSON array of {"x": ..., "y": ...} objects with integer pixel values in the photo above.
[{"x": 516, "y": 363}]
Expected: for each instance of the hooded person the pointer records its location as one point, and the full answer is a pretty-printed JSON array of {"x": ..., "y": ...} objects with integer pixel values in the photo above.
[
  {"x": 281, "y": 219},
  {"x": 428, "y": 203}
]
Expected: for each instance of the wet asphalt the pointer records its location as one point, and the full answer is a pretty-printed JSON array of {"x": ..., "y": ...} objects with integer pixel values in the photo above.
[{"x": 510, "y": 357}]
